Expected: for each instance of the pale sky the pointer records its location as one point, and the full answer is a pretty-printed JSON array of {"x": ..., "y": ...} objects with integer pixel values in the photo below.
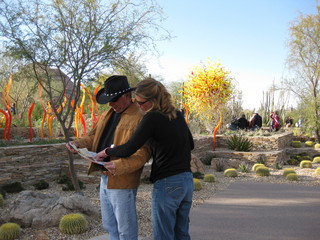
[{"x": 248, "y": 37}]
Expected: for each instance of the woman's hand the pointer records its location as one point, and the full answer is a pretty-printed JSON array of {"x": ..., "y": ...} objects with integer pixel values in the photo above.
[{"x": 71, "y": 149}]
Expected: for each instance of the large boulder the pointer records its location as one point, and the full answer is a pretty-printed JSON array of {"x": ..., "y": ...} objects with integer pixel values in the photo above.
[
  {"x": 39, "y": 210},
  {"x": 196, "y": 164}
]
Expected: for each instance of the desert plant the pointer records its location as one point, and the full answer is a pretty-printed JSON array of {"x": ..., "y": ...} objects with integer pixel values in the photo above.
[
  {"x": 206, "y": 160},
  {"x": 197, "y": 184},
  {"x": 243, "y": 168},
  {"x": 296, "y": 159},
  {"x": 317, "y": 171},
  {"x": 1, "y": 200},
  {"x": 42, "y": 184},
  {"x": 262, "y": 171},
  {"x": 296, "y": 144},
  {"x": 292, "y": 177},
  {"x": 239, "y": 143},
  {"x": 2, "y": 192},
  {"x": 13, "y": 187},
  {"x": 198, "y": 175},
  {"x": 230, "y": 172},
  {"x": 62, "y": 179},
  {"x": 9, "y": 231},
  {"x": 278, "y": 166},
  {"x": 309, "y": 143},
  {"x": 256, "y": 165},
  {"x": 209, "y": 178},
  {"x": 306, "y": 164},
  {"x": 317, "y": 145},
  {"x": 73, "y": 223},
  {"x": 288, "y": 171},
  {"x": 69, "y": 185},
  {"x": 316, "y": 160}
]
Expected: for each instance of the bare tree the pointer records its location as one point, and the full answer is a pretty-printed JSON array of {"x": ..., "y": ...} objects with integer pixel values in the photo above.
[{"x": 79, "y": 38}]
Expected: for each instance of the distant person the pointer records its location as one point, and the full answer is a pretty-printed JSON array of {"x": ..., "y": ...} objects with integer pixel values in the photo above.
[
  {"x": 289, "y": 122},
  {"x": 255, "y": 122},
  {"x": 275, "y": 121},
  {"x": 233, "y": 125},
  {"x": 243, "y": 123},
  {"x": 13, "y": 109}
]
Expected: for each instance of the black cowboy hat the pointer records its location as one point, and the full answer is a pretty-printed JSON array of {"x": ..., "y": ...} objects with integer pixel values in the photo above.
[{"x": 114, "y": 87}]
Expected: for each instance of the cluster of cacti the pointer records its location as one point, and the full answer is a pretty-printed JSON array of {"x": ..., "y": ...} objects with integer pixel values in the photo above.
[
  {"x": 317, "y": 171},
  {"x": 292, "y": 177},
  {"x": 209, "y": 178},
  {"x": 316, "y": 160},
  {"x": 306, "y": 164},
  {"x": 239, "y": 143},
  {"x": 243, "y": 168},
  {"x": 197, "y": 184},
  {"x": 309, "y": 143},
  {"x": 317, "y": 145},
  {"x": 262, "y": 171},
  {"x": 1, "y": 200},
  {"x": 9, "y": 231},
  {"x": 230, "y": 172},
  {"x": 256, "y": 165},
  {"x": 73, "y": 223},
  {"x": 288, "y": 171},
  {"x": 296, "y": 144}
]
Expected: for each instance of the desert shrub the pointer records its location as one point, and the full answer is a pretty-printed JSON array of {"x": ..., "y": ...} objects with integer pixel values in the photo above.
[
  {"x": 292, "y": 177},
  {"x": 198, "y": 175},
  {"x": 243, "y": 168},
  {"x": 69, "y": 186},
  {"x": 42, "y": 184},
  {"x": 206, "y": 159},
  {"x": 296, "y": 159},
  {"x": 9, "y": 231},
  {"x": 317, "y": 145},
  {"x": 209, "y": 178},
  {"x": 197, "y": 184},
  {"x": 230, "y": 172},
  {"x": 278, "y": 166},
  {"x": 1, "y": 200},
  {"x": 62, "y": 179},
  {"x": 288, "y": 171},
  {"x": 239, "y": 143},
  {"x": 306, "y": 164},
  {"x": 2, "y": 192},
  {"x": 219, "y": 164},
  {"x": 316, "y": 160},
  {"x": 73, "y": 223},
  {"x": 256, "y": 165},
  {"x": 317, "y": 171},
  {"x": 262, "y": 171},
  {"x": 296, "y": 144},
  {"x": 309, "y": 143},
  {"x": 15, "y": 187}
]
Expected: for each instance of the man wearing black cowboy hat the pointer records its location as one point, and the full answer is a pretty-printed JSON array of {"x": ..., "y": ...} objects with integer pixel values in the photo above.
[{"x": 115, "y": 127}]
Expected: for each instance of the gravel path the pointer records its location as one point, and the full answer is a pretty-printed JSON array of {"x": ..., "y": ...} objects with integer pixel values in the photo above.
[{"x": 306, "y": 177}]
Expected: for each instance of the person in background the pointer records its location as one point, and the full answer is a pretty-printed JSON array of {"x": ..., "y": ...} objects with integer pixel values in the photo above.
[
  {"x": 243, "y": 122},
  {"x": 171, "y": 143},
  {"x": 275, "y": 121},
  {"x": 255, "y": 122},
  {"x": 289, "y": 122},
  {"x": 116, "y": 126}
]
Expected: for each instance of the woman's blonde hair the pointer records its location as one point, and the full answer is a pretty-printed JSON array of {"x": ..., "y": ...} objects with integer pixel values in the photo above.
[{"x": 155, "y": 92}]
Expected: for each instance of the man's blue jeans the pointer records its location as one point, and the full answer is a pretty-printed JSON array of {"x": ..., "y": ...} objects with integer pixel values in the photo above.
[
  {"x": 171, "y": 204},
  {"x": 118, "y": 210}
]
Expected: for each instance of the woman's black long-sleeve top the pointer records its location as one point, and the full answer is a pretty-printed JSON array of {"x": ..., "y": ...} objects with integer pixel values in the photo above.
[{"x": 171, "y": 142}]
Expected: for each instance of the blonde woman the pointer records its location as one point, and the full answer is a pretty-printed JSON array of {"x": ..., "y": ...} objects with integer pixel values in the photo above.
[{"x": 171, "y": 142}]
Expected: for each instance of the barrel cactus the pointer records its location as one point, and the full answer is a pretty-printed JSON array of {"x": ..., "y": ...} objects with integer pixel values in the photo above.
[
  {"x": 316, "y": 160},
  {"x": 292, "y": 177},
  {"x": 9, "y": 231},
  {"x": 262, "y": 171},
  {"x": 197, "y": 184},
  {"x": 209, "y": 178},
  {"x": 255, "y": 166},
  {"x": 73, "y": 223},
  {"x": 317, "y": 146},
  {"x": 230, "y": 172},
  {"x": 309, "y": 143},
  {"x": 1, "y": 200},
  {"x": 306, "y": 164},
  {"x": 317, "y": 171},
  {"x": 296, "y": 144},
  {"x": 288, "y": 171}
]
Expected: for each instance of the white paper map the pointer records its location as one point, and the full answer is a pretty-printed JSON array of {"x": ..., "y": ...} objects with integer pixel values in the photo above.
[{"x": 86, "y": 154}]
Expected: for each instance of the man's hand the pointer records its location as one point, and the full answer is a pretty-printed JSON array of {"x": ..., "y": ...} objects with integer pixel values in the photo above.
[
  {"x": 100, "y": 156},
  {"x": 111, "y": 166},
  {"x": 71, "y": 148}
]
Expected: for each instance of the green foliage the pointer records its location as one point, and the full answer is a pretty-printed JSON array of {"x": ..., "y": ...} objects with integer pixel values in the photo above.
[
  {"x": 317, "y": 171},
  {"x": 42, "y": 184},
  {"x": 15, "y": 187},
  {"x": 296, "y": 144},
  {"x": 198, "y": 175},
  {"x": 206, "y": 160},
  {"x": 1, "y": 200},
  {"x": 209, "y": 178},
  {"x": 68, "y": 185},
  {"x": 317, "y": 146},
  {"x": 243, "y": 168},
  {"x": 306, "y": 164},
  {"x": 296, "y": 159},
  {"x": 262, "y": 171},
  {"x": 62, "y": 179},
  {"x": 2, "y": 192},
  {"x": 316, "y": 160},
  {"x": 278, "y": 166},
  {"x": 309, "y": 143},
  {"x": 197, "y": 184},
  {"x": 288, "y": 171},
  {"x": 230, "y": 172},
  {"x": 9, "y": 231},
  {"x": 239, "y": 143},
  {"x": 73, "y": 223},
  {"x": 256, "y": 165},
  {"x": 292, "y": 177}
]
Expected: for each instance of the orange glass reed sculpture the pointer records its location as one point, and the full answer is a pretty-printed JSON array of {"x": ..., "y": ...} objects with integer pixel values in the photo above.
[{"x": 30, "y": 121}]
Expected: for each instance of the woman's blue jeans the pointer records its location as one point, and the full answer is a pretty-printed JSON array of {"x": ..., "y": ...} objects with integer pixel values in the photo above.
[
  {"x": 118, "y": 210},
  {"x": 171, "y": 204}
]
